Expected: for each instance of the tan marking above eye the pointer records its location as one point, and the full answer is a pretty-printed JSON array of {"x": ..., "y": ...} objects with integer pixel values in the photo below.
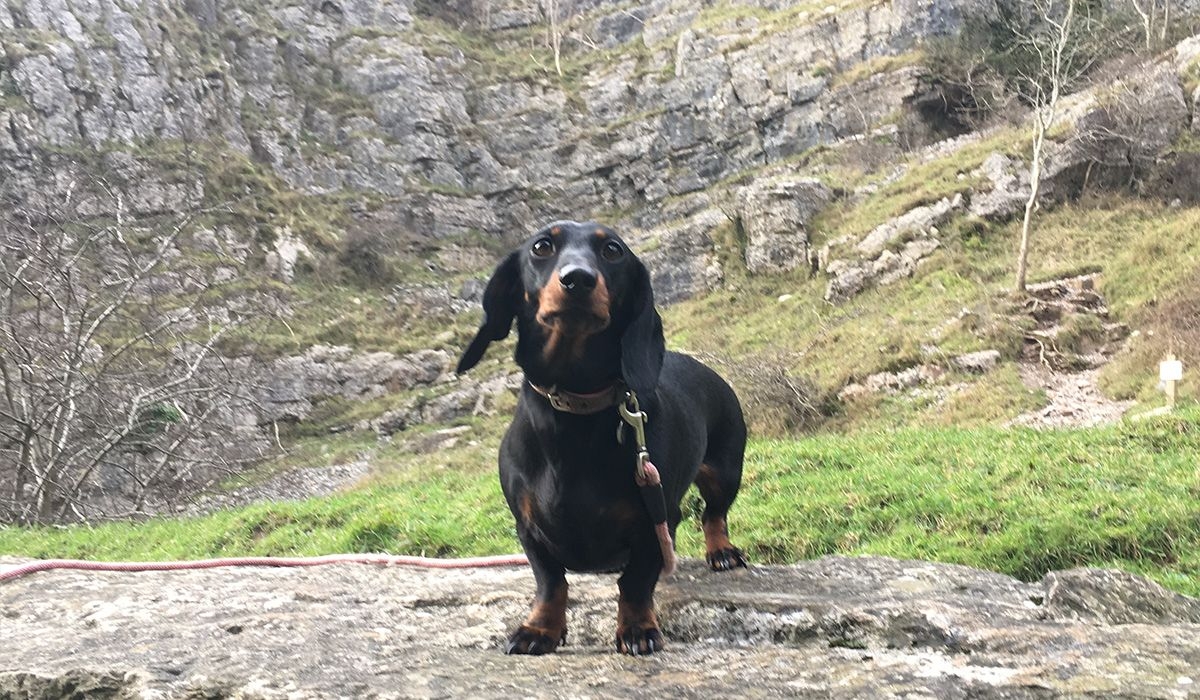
[
  {"x": 556, "y": 230},
  {"x": 600, "y": 233}
]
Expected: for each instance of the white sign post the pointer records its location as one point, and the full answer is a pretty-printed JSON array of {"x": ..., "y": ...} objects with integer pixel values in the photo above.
[{"x": 1170, "y": 372}]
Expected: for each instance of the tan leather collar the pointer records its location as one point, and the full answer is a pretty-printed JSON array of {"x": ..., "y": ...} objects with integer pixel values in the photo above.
[{"x": 582, "y": 404}]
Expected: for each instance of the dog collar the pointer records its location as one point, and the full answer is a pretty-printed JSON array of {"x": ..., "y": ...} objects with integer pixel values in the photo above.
[{"x": 582, "y": 404}]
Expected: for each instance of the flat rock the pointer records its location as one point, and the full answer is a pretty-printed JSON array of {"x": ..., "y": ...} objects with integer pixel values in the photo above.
[{"x": 834, "y": 627}]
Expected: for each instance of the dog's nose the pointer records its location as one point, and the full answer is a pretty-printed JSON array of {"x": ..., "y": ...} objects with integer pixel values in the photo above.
[{"x": 577, "y": 279}]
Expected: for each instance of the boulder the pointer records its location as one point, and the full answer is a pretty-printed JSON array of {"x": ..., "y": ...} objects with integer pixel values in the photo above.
[
  {"x": 919, "y": 222},
  {"x": 1008, "y": 189},
  {"x": 980, "y": 362},
  {"x": 833, "y": 627},
  {"x": 681, "y": 255},
  {"x": 290, "y": 386},
  {"x": 849, "y": 278},
  {"x": 774, "y": 217}
]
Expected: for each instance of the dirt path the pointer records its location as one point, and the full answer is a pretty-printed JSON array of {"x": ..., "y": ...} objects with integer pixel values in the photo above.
[{"x": 1075, "y": 399}]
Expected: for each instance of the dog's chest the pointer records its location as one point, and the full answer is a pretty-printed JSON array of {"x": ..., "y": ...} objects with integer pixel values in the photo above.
[{"x": 587, "y": 515}]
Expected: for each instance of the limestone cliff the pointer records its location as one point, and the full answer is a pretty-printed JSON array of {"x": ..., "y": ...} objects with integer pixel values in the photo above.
[{"x": 447, "y": 113}]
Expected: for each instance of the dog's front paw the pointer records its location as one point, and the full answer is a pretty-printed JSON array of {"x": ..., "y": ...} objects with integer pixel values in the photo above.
[
  {"x": 726, "y": 558},
  {"x": 637, "y": 640},
  {"x": 531, "y": 640}
]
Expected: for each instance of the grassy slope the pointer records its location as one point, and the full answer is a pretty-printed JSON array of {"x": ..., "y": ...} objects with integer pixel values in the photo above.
[{"x": 1017, "y": 501}]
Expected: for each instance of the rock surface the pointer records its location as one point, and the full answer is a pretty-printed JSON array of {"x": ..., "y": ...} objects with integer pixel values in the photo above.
[
  {"x": 447, "y": 108},
  {"x": 835, "y": 627},
  {"x": 775, "y": 217}
]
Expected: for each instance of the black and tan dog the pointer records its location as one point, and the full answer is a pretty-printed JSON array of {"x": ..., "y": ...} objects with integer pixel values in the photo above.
[{"x": 588, "y": 333}]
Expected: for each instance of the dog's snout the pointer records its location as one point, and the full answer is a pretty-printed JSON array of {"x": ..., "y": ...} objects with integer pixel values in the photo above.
[{"x": 577, "y": 279}]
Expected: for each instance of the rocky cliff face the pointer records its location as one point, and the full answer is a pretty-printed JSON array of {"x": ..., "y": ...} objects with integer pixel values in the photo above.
[
  {"x": 293, "y": 126},
  {"x": 450, "y": 113},
  {"x": 441, "y": 119},
  {"x": 287, "y": 126},
  {"x": 836, "y": 627}
]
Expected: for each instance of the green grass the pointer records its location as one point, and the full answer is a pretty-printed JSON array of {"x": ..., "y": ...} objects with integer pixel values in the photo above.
[
  {"x": 1018, "y": 501},
  {"x": 921, "y": 183}
]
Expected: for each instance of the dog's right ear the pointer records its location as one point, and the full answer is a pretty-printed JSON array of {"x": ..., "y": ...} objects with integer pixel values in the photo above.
[{"x": 500, "y": 301}]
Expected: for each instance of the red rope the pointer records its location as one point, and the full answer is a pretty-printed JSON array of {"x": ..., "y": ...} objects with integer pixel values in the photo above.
[{"x": 379, "y": 559}]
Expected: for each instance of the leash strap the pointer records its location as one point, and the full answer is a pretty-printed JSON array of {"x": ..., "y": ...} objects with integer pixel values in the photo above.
[{"x": 648, "y": 480}]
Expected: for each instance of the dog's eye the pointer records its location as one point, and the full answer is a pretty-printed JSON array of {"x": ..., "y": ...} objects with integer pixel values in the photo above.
[
  {"x": 542, "y": 248},
  {"x": 612, "y": 251}
]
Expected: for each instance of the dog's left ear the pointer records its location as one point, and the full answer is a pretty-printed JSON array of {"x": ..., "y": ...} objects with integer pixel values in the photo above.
[
  {"x": 642, "y": 345},
  {"x": 500, "y": 300}
]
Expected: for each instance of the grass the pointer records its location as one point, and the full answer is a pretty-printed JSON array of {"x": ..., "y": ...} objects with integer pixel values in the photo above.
[
  {"x": 1017, "y": 501},
  {"x": 921, "y": 183},
  {"x": 888, "y": 329}
]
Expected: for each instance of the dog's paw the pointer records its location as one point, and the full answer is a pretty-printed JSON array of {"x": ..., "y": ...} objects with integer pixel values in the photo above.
[
  {"x": 638, "y": 641},
  {"x": 726, "y": 559},
  {"x": 530, "y": 640}
]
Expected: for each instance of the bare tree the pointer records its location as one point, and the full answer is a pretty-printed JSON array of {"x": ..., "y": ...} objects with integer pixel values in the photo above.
[
  {"x": 555, "y": 38},
  {"x": 1052, "y": 42},
  {"x": 110, "y": 385},
  {"x": 1155, "y": 16}
]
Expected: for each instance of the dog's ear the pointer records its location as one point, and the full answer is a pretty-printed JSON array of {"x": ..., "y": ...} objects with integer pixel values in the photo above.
[
  {"x": 642, "y": 345},
  {"x": 500, "y": 301}
]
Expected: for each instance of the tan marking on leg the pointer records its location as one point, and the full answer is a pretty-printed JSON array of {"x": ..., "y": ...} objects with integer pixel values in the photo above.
[
  {"x": 527, "y": 506},
  {"x": 706, "y": 481},
  {"x": 549, "y": 617},
  {"x": 716, "y": 536},
  {"x": 632, "y": 617}
]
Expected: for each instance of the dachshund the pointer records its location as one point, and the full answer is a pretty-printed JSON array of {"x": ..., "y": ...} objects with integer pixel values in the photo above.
[{"x": 589, "y": 341}]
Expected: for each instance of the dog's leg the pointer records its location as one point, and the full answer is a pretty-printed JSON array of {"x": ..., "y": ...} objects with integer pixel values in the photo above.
[
  {"x": 637, "y": 626},
  {"x": 718, "y": 485},
  {"x": 546, "y": 627}
]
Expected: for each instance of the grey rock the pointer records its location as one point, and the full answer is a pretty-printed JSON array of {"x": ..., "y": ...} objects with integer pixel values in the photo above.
[
  {"x": 893, "y": 382},
  {"x": 846, "y": 280},
  {"x": 681, "y": 255},
  {"x": 289, "y": 386},
  {"x": 436, "y": 299},
  {"x": 977, "y": 362},
  {"x": 1008, "y": 191},
  {"x": 1119, "y": 127},
  {"x": 915, "y": 232},
  {"x": 920, "y": 222},
  {"x": 775, "y": 219},
  {"x": 467, "y": 397},
  {"x": 834, "y": 627},
  {"x": 891, "y": 267},
  {"x": 287, "y": 251},
  {"x": 345, "y": 94},
  {"x": 1187, "y": 58},
  {"x": 1111, "y": 597}
]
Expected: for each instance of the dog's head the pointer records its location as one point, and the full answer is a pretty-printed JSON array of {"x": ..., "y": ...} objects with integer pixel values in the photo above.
[{"x": 584, "y": 311}]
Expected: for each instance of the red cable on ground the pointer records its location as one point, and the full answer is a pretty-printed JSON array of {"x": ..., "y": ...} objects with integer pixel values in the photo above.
[{"x": 379, "y": 559}]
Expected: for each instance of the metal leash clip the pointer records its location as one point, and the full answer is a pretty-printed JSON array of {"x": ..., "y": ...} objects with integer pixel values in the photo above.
[{"x": 632, "y": 414}]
